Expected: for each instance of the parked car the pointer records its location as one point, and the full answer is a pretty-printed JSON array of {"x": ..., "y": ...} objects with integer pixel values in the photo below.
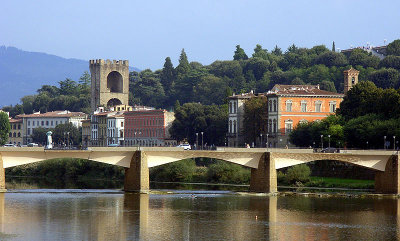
[
  {"x": 10, "y": 145},
  {"x": 113, "y": 145},
  {"x": 329, "y": 150},
  {"x": 33, "y": 145},
  {"x": 185, "y": 146}
]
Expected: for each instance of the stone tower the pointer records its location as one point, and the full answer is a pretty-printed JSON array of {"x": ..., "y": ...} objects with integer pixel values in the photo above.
[
  {"x": 110, "y": 82},
  {"x": 350, "y": 79}
]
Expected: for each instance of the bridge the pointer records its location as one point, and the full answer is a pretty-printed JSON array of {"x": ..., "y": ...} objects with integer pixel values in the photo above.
[{"x": 263, "y": 162}]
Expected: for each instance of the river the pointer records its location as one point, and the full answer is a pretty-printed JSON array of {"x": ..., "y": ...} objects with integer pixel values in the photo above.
[{"x": 109, "y": 214}]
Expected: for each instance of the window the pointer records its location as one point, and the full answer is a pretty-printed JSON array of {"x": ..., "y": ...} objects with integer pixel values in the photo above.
[
  {"x": 270, "y": 105},
  {"x": 33, "y": 123},
  {"x": 318, "y": 105},
  {"x": 29, "y": 123},
  {"x": 19, "y": 126},
  {"x": 288, "y": 105},
  {"x": 42, "y": 123},
  {"x": 274, "y": 127},
  {"x": 234, "y": 126},
  {"x": 303, "y": 106},
  {"x": 29, "y": 131},
  {"x": 230, "y": 127},
  {"x": 353, "y": 80},
  {"x": 288, "y": 126},
  {"x": 47, "y": 123},
  {"x": 19, "y": 134},
  {"x": 51, "y": 123},
  {"x": 332, "y": 106},
  {"x": 122, "y": 124},
  {"x": 274, "y": 105},
  {"x": 270, "y": 126},
  {"x": 234, "y": 107}
]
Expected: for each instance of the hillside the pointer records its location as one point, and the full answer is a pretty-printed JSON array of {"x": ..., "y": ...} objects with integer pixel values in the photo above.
[{"x": 23, "y": 72}]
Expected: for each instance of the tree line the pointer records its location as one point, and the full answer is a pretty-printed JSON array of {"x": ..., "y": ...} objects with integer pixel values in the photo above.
[{"x": 210, "y": 85}]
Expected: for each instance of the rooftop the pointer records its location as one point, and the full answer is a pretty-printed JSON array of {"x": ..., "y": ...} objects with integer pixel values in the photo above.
[
  {"x": 302, "y": 90},
  {"x": 53, "y": 114}
]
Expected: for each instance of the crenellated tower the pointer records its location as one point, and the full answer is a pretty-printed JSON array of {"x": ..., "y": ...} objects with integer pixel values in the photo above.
[{"x": 110, "y": 82}]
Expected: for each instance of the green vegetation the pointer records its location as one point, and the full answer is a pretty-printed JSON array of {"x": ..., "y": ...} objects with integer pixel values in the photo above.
[
  {"x": 331, "y": 182},
  {"x": 65, "y": 168},
  {"x": 215, "y": 171},
  {"x": 74, "y": 137},
  {"x": 4, "y": 128}
]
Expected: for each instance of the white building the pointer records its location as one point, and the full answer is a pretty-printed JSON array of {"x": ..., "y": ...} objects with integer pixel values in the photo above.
[
  {"x": 48, "y": 120},
  {"x": 115, "y": 129}
]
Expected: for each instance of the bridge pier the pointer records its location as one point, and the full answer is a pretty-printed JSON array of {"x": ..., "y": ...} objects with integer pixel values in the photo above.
[
  {"x": 388, "y": 181},
  {"x": 137, "y": 175},
  {"x": 263, "y": 179},
  {"x": 2, "y": 176}
]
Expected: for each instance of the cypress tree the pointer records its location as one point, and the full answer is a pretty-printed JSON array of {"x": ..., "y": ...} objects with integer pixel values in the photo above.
[
  {"x": 239, "y": 54},
  {"x": 167, "y": 74},
  {"x": 333, "y": 47},
  {"x": 183, "y": 66}
]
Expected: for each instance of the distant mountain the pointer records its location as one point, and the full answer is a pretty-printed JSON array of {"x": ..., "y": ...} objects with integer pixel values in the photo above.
[{"x": 22, "y": 72}]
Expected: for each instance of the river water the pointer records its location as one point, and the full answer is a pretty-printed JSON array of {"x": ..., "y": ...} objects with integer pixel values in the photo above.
[{"x": 109, "y": 214}]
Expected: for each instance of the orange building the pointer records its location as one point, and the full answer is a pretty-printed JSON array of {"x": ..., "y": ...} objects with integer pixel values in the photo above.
[{"x": 289, "y": 105}]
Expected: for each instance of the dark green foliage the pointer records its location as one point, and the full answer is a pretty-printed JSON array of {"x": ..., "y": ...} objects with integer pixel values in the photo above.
[
  {"x": 39, "y": 135},
  {"x": 331, "y": 59},
  {"x": 255, "y": 118},
  {"x": 67, "y": 168},
  {"x": 4, "y": 128},
  {"x": 391, "y": 61},
  {"x": 192, "y": 118},
  {"x": 394, "y": 48},
  {"x": 333, "y": 47},
  {"x": 299, "y": 173},
  {"x": 180, "y": 171},
  {"x": 60, "y": 134},
  {"x": 385, "y": 78},
  {"x": 223, "y": 172},
  {"x": 239, "y": 54}
]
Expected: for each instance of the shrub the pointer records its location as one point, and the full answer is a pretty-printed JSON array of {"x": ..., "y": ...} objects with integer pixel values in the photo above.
[
  {"x": 223, "y": 172},
  {"x": 298, "y": 173},
  {"x": 180, "y": 171}
]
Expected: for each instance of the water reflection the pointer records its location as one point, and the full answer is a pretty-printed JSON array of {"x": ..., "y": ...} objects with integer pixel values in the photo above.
[{"x": 200, "y": 216}]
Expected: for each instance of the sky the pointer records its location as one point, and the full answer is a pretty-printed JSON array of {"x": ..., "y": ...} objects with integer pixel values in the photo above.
[{"x": 146, "y": 32}]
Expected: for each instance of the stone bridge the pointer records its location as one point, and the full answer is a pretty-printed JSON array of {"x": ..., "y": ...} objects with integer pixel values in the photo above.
[{"x": 263, "y": 162}]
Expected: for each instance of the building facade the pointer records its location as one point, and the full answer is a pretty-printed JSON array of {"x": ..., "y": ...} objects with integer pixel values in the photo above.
[
  {"x": 235, "y": 137},
  {"x": 148, "y": 127},
  {"x": 16, "y": 132},
  {"x": 289, "y": 105},
  {"x": 115, "y": 129},
  {"x": 48, "y": 120}
]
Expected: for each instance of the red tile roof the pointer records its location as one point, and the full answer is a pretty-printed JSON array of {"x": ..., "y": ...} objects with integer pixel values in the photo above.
[{"x": 54, "y": 114}]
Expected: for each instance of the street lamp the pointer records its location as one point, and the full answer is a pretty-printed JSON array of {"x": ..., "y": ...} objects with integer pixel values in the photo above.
[
  {"x": 384, "y": 142},
  {"x": 202, "y": 140},
  {"x": 322, "y": 142},
  {"x": 367, "y": 145},
  {"x": 197, "y": 140},
  {"x": 267, "y": 142},
  {"x": 329, "y": 142},
  {"x": 394, "y": 143},
  {"x": 261, "y": 141}
]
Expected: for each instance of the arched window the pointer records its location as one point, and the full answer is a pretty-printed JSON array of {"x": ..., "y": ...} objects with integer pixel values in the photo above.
[
  {"x": 274, "y": 105},
  {"x": 230, "y": 107},
  {"x": 274, "y": 127},
  {"x": 270, "y": 105},
  {"x": 230, "y": 127},
  {"x": 234, "y": 126},
  {"x": 234, "y": 107},
  {"x": 303, "y": 106}
]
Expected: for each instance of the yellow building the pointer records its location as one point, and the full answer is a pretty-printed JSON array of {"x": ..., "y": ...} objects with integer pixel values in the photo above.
[{"x": 16, "y": 131}]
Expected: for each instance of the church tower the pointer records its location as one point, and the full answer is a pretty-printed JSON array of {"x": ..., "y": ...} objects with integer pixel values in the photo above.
[
  {"x": 110, "y": 82},
  {"x": 350, "y": 79}
]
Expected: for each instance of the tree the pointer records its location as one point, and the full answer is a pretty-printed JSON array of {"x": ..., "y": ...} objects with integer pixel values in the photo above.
[
  {"x": 277, "y": 51},
  {"x": 363, "y": 58},
  {"x": 333, "y": 47},
  {"x": 151, "y": 90},
  {"x": 39, "y": 135},
  {"x": 331, "y": 59},
  {"x": 390, "y": 61},
  {"x": 4, "y": 128},
  {"x": 393, "y": 48},
  {"x": 183, "y": 66},
  {"x": 68, "y": 87},
  {"x": 385, "y": 78},
  {"x": 239, "y": 54},
  {"x": 259, "y": 52},
  {"x": 328, "y": 86},
  {"x": 85, "y": 79},
  {"x": 255, "y": 119},
  {"x": 60, "y": 134},
  {"x": 167, "y": 74},
  {"x": 210, "y": 90}
]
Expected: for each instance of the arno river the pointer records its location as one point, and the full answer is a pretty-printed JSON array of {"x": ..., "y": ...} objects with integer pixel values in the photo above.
[{"x": 109, "y": 214}]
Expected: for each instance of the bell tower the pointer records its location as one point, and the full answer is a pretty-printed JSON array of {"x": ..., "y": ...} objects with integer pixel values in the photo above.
[
  {"x": 110, "y": 82},
  {"x": 350, "y": 79}
]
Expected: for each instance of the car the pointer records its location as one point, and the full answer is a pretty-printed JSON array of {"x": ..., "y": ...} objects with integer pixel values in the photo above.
[
  {"x": 185, "y": 146},
  {"x": 329, "y": 150},
  {"x": 10, "y": 145},
  {"x": 33, "y": 145},
  {"x": 113, "y": 145}
]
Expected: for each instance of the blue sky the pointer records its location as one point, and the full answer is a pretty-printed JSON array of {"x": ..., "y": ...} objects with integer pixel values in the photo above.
[{"x": 146, "y": 32}]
